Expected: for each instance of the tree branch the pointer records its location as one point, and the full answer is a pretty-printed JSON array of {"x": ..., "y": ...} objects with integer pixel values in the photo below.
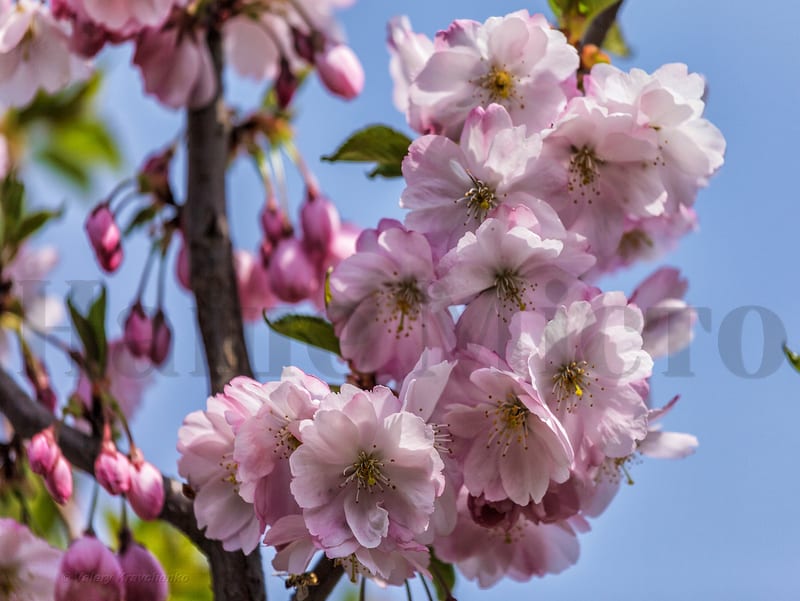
[
  {"x": 328, "y": 574},
  {"x": 212, "y": 276},
  {"x": 598, "y": 29}
]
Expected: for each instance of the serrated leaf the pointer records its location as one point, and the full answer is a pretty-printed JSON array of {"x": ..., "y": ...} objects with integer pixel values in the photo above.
[
  {"x": 444, "y": 577},
  {"x": 143, "y": 217},
  {"x": 309, "y": 329},
  {"x": 793, "y": 358},
  {"x": 97, "y": 320},
  {"x": 374, "y": 144}
]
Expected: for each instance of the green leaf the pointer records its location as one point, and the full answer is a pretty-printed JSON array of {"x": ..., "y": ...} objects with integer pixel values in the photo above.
[
  {"x": 66, "y": 165},
  {"x": 143, "y": 217},
  {"x": 12, "y": 199},
  {"x": 615, "y": 42},
  {"x": 84, "y": 330},
  {"x": 310, "y": 329},
  {"x": 97, "y": 320},
  {"x": 33, "y": 222},
  {"x": 374, "y": 144},
  {"x": 444, "y": 577},
  {"x": 793, "y": 358}
]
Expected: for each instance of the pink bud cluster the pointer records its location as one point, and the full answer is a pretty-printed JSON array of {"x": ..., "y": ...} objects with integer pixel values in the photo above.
[
  {"x": 147, "y": 337},
  {"x": 523, "y": 386}
]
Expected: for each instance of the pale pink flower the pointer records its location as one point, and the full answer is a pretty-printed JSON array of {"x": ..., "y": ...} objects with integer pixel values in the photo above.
[
  {"x": 452, "y": 188},
  {"x": 666, "y": 445},
  {"x": 508, "y": 265},
  {"x": 265, "y": 441},
  {"x": 366, "y": 474},
  {"x": 380, "y": 305},
  {"x": 89, "y": 571},
  {"x": 28, "y": 565},
  {"x": 129, "y": 16},
  {"x": 409, "y": 52},
  {"x": 176, "y": 68},
  {"x": 515, "y": 547},
  {"x": 668, "y": 320},
  {"x": 598, "y": 168},
  {"x": 511, "y": 443},
  {"x": 206, "y": 444},
  {"x": 670, "y": 102},
  {"x": 518, "y": 61},
  {"x": 584, "y": 363},
  {"x": 254, "y": 46},
  {"x": 294, "y": 544},
  {"x": 34, "y": 53}
]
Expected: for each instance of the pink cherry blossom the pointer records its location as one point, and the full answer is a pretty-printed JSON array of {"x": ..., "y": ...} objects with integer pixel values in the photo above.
[
  {"x": 666, "y": 445},
  {"x": 265, "y": 441},
  {"x": 340, "y": 71},
  {"x": 452, "y": 188},
  {"x": 514, "y": 547},
  {"x": 380, "y": 306},
  {"x": 513, "y": 445},
  {"x": 409, "y": 51},
  {"x": 518, "y": 61},
  {"x": 34, "y": 53},
  {"x": 128, "y": 16},
  {"x": 584, "y": 363},
  {"x": 89, "y": 571},
  {"x": 668, "y": 320},
  {"x": 28, "y": 565},
  {"x": 254, "y": 46},
  {"x": 366, "y": 474},
  {"x": 508, "y": 265},
  {"x": 176, "y": 67},
  {"x": 206, "y": 445}
]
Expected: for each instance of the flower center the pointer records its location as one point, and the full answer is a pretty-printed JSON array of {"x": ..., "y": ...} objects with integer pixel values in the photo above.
[
  {"x": 285, "y": 441},
  {"x": 572, "y": 381},
  {"x": 404, "y": 301},
  {"x": 367, "y": 473},
  {"x": 230, "y": 466},
  {"x": 480, "y": 200},
  {"x": 509, "y": 423},
  {"x": 511, "y": 288},
  {"x": 499, "y": 83},
  {"x": 584, "y": 171},
  {"x": 8, "y": 581}
]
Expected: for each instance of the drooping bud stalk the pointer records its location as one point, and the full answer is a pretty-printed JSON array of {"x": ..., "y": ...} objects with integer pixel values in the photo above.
[
  {"x": 111, "y": 468},
  {"x": 144, "y": 578},
  {"x": 105, "y": 237},
  {"x": 340, "y": 71},
  {"x": 146, "y": 494},
  {"x": 162, "y": 339},
  {"x": 89, "y": 572},
  {"x": 138, "y": 333}
]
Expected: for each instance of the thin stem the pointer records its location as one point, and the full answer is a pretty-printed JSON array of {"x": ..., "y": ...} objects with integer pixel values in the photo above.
[
  {"x": 408, "y": 590},
  {"x": 362, "y": 590},
  {"x": 425, "y": 586},
  {"x": 145, "y": 273},
  {"x": 302, "y": 167},
  {"x": 92, "y": 509},
  {"x": 119, "y": 188},
  {"x": 276, "y": 161}
]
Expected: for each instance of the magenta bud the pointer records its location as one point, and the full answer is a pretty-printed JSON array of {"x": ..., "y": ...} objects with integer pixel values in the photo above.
[
  {"x": 105, "y": 237},
  {"x": 274, "y": 223},
  {"x": 138, "y": 335},
  {"x": 303, "y": 44},
  {"x": 286, "y": 84},
  {"x": 58, "y": 481},
  {"x": 43, "y": 452},
  {"x": 144, "y": 578},
  {"x": 162, "y": 339},
  {"x": 291, "y": 272},
  {"x": 154, "y": 175},
  {"x": 320, "y": 222},
  {"x": 340, "y": 70},
  {"x": 112, "y": 469},
  {"x": 89, "y": 572},
  {"x": 182, "y": 267},
  {"x": 146, "y": 494}
]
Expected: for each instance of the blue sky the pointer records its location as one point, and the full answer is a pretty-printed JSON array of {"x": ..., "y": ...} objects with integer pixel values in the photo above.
[{"x": 719, "y": 525}]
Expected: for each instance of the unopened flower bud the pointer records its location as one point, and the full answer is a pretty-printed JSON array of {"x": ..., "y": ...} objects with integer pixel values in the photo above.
[
  {"x": 320, "y": 221},
  {"x": 143, "y": 576},
  {"x": 146, "y": 494},
  {"x": 291, "y": 272},
  {"x": 182, "y": 267},
  {"x": 154, "y": 176},
  {"x": 340, "y": 71},
  {"x": 105, "y": 237},
  {"x": 162, "y": 339},
  {"x": 58, "y": 481},
  {"x": 286, "y": 84},
  {"x": 274, "y": 223},
  {"x": 43, "y": 452},
  {"x": 112, "y": 469},
  {"x": 89, "y": 572},
  {"x": 36, "y": 372},
  {"x": 303, "y": 44},
  {"x": 138, "y": 334}
]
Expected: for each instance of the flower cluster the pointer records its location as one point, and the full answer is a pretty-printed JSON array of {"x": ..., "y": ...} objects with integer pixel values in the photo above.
[
  {"x": 46, "y": 47},
  {"x": 523, "y": 386}
]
